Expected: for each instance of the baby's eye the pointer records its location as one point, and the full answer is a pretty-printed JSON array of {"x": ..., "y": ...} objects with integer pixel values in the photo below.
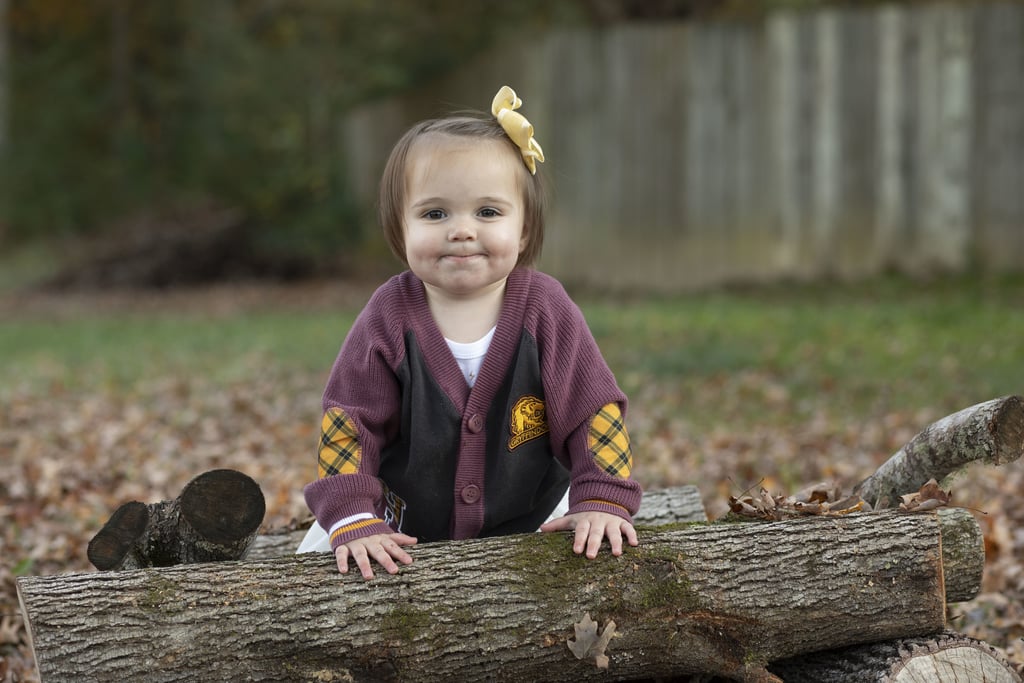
[
  {"x": 488, "y": 212},
  {"x": 434, "y": 215}
]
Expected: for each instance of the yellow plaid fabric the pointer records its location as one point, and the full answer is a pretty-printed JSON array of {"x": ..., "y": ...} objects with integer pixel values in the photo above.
[
  {"x": 339, "y": 452},
  {"x": 609, "y": 442}
]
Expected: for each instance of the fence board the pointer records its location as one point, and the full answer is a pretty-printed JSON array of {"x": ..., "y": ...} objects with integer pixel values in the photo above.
[
  {"x": 838, "y": 141},
  {"x": 998, "y": 171}
]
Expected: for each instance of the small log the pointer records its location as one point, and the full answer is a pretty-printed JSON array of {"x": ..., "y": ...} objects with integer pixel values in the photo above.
[
  {"x": 216, "y": 517},
  {"x": 659, "y": 507},
  {"x": 724, "y": 599},
  {"x": 948, "y": 657},
  {"x": 991, "y": 432},
  {"x": 963, "y": 554}
]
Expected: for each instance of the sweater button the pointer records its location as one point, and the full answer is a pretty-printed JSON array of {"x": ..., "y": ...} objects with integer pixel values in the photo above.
[
  {"x": 476, "y": 423},
  {"x": 470, "y": 494}
]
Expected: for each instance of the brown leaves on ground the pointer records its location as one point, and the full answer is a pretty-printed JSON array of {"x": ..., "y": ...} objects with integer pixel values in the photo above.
[
  {"x": 69, "y": 456},
  {"x": 16, "y": 659},
  {"x": 828, "y": 500},
  {"x": 820, "y": 499}
]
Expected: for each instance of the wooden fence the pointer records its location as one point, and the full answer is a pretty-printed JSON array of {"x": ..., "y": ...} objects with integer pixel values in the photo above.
[{"x": 841, "y": 142}]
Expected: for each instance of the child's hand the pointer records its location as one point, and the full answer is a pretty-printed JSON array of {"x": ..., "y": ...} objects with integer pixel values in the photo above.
[
  {"x": 591, "y": 528},
  {"x": 384, "y": 548}
]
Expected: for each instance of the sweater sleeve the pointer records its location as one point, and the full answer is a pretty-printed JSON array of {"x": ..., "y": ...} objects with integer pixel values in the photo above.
[
  {"x": 585, "y": 408},
  {"x": 361, "y": 403},
  {"x": 602, "y": 461}
]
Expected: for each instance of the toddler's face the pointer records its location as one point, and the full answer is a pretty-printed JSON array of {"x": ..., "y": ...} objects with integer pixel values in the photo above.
[{"x": 463, "y": 214}]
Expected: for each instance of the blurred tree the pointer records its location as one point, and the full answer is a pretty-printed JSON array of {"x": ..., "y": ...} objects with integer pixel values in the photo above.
[
  {"x": 609, "y": 11},
  {"x": 120, "y": 105},
  {"x": 4, "y": 98},
  {"x": 117, "y": 106},
  {"x": 4, "y": 82}
]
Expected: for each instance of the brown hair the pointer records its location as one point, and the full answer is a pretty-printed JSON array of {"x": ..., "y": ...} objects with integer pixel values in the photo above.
[{"x": 391, "y": 201}]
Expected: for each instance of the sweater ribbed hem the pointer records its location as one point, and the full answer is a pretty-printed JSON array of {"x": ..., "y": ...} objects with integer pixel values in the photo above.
[
  {"x": 601, "y": 506},
  {"x": 358, "y": 530},
  {"x": 342, "y": 496}
]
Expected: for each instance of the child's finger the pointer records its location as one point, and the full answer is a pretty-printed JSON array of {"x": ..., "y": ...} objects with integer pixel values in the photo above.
[
  {"x": 383, "y": 557},
  {"x": 556, "y": 524},
  {"x": 362, "y": 559},
  {"x": 594, "y": 540},
  {"x": 614, "y": 534},
  {"x": 580, "y": 538},
  {"x": 630, "y": 534},
  {"x": 396, "y": 551},
  {"x": 341, "y": 555},
  {"x": 403, "y": 539}
]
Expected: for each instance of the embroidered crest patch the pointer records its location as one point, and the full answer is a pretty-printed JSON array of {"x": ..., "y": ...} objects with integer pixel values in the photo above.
[
  {"x": 394, "y": 508},
  {"x": 528, "y": 421}
]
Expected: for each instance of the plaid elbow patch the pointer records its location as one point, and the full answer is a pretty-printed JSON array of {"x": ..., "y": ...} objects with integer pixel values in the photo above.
[
  {"x": 339, "y": 451},
  {"x": 609, "y": 442}
]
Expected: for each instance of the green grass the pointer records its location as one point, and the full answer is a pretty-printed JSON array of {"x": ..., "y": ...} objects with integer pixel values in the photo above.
[
  {"x": 887, "y": 344},
  {"x": 25, "y": 264},
  {"x": 118, "y": 350}
]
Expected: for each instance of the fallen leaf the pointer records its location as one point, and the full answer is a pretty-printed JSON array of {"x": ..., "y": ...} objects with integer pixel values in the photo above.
[
  {"x": 588, "y": 643},
  {"x": 929, "y": 497},
  {"x": 819, "y": 499}
]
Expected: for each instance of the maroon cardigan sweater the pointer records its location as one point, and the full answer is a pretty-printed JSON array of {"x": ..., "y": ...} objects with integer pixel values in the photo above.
[{"x": 449, "y": 454}]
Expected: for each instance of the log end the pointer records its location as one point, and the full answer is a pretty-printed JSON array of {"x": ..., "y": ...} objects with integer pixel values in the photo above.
[
  {"x": 963, "y": 554},
  {"x": 991, "y": 432},
  {"x": 947, "y": 656},
  {"x": 223, "y": 506},
  {"x": 111, "y": 545},
  {"x": 1007, "y": 426}
]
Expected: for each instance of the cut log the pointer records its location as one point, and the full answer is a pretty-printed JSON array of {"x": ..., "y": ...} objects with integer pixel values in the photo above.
[
  {"x": 659, "y": 507},
  {"x": 991, "y": 432},
  {"x": 724, "y": 599},
  {"x": 947, "y": 657},
  {"x": 216, "y": 517},
  {"x": 963, "y": 554}
]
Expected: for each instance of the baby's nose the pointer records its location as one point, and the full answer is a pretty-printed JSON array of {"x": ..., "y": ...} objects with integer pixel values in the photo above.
[{"x": 462, "y": 229}]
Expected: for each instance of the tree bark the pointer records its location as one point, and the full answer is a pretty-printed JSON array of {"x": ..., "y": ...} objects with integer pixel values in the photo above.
[
  {"x": 947, "y": 657},
  {"x": 216, "y": 517},
  {"x": 991, "y": 432},
  {"x": 659, "y": 506},
  {"x": 724, "y": 599}
]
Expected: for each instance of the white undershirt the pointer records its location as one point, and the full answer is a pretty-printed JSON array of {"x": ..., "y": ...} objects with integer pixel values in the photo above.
[{"x": 470, "y": 356}]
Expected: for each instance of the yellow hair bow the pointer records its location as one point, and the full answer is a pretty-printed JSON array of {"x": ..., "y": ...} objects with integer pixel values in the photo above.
[{"x": 516, "y": 126}]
